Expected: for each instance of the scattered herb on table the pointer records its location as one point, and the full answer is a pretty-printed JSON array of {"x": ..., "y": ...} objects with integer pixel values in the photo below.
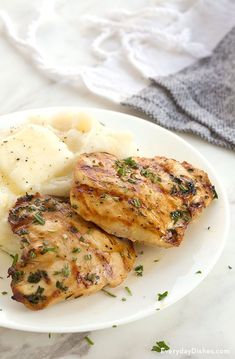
[
  {"x": 123, "y": 299},
  {"x": 161, "y": 296},
  {"x": 4, "y": 293},
  {"x": 229, "y": 267},
  {"x": 156, "y": 260},
  {"x": 198, "y": 272},
  {"x": 160, "y": 347},
  {"x": 89, "y": 341}
]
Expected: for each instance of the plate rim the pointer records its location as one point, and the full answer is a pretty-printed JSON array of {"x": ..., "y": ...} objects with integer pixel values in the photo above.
[{"x": 146, "y": 312}]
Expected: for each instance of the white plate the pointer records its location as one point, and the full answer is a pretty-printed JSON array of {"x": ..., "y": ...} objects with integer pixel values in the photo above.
[{"x": 175, "y": 271}]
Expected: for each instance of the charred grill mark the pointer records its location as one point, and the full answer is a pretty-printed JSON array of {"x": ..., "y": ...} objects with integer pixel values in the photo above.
[
  {"x": 172, "y": 237},
  {"x": 107, "y": 267},
  {"x": 51, "y": 247},
  {"x": 91, "y": 209}
]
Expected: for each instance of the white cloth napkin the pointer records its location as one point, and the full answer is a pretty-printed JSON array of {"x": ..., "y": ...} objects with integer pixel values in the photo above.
[{"x": 122, "y": 49}]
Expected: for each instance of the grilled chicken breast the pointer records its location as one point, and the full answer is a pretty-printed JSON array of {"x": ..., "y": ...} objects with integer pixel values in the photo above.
[
  {"x": 63, "y": 256},
  {"x": 151, "y": 200}
]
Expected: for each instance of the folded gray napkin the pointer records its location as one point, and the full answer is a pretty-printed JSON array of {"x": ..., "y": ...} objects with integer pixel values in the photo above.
[{"x": 199, "y": 99}]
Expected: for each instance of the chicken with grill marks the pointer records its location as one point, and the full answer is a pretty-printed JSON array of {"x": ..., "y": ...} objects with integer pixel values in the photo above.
[
  {"x": 151, "y": 200},
  {"x": 63, "y": 256}
]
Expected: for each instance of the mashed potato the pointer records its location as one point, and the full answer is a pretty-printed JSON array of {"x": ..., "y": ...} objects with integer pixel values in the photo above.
[{"x": 40, "y": 154}]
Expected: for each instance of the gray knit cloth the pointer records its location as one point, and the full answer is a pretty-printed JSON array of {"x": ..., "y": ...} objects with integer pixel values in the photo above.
[{"x": 199, "y": 99}]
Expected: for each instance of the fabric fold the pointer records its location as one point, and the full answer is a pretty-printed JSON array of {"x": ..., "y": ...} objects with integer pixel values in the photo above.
[{"x": 199, "y": 99}]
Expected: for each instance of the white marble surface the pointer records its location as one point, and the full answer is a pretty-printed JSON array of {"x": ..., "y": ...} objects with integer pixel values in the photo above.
[{"x": 204, "y": 319}]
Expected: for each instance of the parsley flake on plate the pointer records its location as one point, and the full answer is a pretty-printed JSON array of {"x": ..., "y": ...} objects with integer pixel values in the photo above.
[
  {"x": 139, "y": 270},
  {"x": 161, "y": 296}
]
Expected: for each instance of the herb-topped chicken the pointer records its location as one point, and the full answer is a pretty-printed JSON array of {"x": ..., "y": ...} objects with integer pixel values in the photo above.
[
  {"x": 151, "y": 200},
  {"x": 63, "y": 256}
]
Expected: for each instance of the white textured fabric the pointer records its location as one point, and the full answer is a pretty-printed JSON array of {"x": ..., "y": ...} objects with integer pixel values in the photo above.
[{"x": 128, "y": 47}]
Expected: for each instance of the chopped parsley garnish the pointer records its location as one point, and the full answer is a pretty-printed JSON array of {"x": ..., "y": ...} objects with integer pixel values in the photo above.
[
  {"x": 185, "y": 187},
  {"x": 160, "y": 347},
  {"x": 198, "y": 272},
  {"x": 60, "y": 286},
  {"x": 176, "y": 215},
  {"x": 17, "y": 275},
  {"x": 48, "y": 249},
  {"x": 22, "y": 231},
  {"x": 161, "y": 296},
  {"x": 215, "y": 195},
  {"x": 130, "y": 162},
  {"x": 15, "y": 259},
  {"x": 136, "y": 202},
  {"x": 148, "y": 174},
  {"x": 37, "y": 296},
  {"x": 128, "y": 290},
  {"x": 121, "y": 171},
  {"x": 156, "y": 260},
  {"x": 4, "y": 293},
  {"x": 229, "y": 267},
  {"x": 89, "y": 341},
  {"x": 65, "y": 271},
  {"x": 39, "y": 219},
  {"x": 114, "y": 326},
  {"x": 139, "y": 270},
  {"x": 76, "y": 250},
  {"x": 37, "y": 276},
  {"x": 108, "y": 293},
  {"x": 131, "y": 180},
  {"x": 123, "y": 299},
  {"x": 123, "y": 167},
  {"x": 32, "y": 254},
  {"x": 87, "y": 257},
  {"x": 92, "y": 277}
]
